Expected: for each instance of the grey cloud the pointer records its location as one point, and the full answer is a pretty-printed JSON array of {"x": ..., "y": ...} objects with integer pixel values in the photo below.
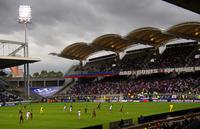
[
  {"x": 8, "y": 13},
  {"x": 144, "y": 13}
]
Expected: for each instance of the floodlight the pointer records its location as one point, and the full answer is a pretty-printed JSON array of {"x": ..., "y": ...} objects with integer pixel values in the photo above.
[
  {"x": 25, "y": 14},
  {"x": 25, "y": 18}
]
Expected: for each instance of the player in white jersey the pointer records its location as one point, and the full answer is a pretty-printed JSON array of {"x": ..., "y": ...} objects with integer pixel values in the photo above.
[
  {"x": 65, "y": 107},
  {"x": 110, "y": 108},
  {"x": 27, "y": 115},
  {"x": 79, "y": 114},
  {"x": 70, "y": 108}
]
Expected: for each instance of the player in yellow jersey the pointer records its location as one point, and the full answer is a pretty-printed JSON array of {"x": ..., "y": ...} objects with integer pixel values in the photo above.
[
  {"x": 171, "y": 107},
  {"x": 41, "y": 110}
]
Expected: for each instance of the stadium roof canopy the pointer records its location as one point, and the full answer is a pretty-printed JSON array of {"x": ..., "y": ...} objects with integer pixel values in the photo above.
[
  {"x": 187, "y": 30},
  {"x": 149, "y": 36},
  {"x": 10, "y": 61},
  {"x": 146, "y": 35},
  {"x": 192, "y": 5},
  {"x": 111, "y": 42},
  {"x": 78, "y": 51}
]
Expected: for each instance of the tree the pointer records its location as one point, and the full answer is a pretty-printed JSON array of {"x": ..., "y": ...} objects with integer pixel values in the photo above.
[
  {"x": 52, "y": 74},
  {"x": 36, "y": 74},
  {"x": 59, "y": 74},
  {"x": 44, "y": 74}
]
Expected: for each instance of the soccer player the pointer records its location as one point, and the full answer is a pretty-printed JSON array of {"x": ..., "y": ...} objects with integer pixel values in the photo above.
[
  {"x": 171, "y": 107},
  {"x": 110, "y": 108},
  {"x": 65, "y": 107},
  {"x": 94, "y": 113},
  {"x": 21, "y": 119},
  {"x": 41, "y": 110},
  {"x": 86, "y": 110},
  {"x": 27, "y": 115},
  {"x": 99, "y": 106},
  {"x": 70, "y": 108},
  {"x": 79, "y": 114}
]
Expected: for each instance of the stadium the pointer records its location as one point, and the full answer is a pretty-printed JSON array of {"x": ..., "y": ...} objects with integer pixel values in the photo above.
[{"x": 156, "y": 86}]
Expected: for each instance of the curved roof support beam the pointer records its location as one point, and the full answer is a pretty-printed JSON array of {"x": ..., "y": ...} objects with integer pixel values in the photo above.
[
  {"x": 186, "y": 30},
  {"x": 116, "y": 43},
  {"x": 79, "y": 51},
  {"x": 111, "y": 42},
  {"x": 149, "y": 36}
]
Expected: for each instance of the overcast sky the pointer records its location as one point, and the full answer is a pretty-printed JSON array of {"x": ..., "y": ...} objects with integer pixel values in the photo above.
[{"x": 59, "y": 23}]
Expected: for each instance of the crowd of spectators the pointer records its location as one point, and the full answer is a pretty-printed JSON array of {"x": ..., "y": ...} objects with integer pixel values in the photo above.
[
  {"x": 180, "y": 55},
  {"x": 173, "y": 57},
  {"x": 8, "y": 97},
  {"x": 101, "y": 67},
  {"x": 125, "y": 86},
  {"x": 131, "y": 63}
]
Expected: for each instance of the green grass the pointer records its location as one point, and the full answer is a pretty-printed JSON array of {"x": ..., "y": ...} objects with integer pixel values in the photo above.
[{"x": 55, "y": 118}]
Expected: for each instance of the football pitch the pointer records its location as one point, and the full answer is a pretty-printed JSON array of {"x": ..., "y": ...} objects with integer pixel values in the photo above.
[{"x": 54, "y": 117}]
